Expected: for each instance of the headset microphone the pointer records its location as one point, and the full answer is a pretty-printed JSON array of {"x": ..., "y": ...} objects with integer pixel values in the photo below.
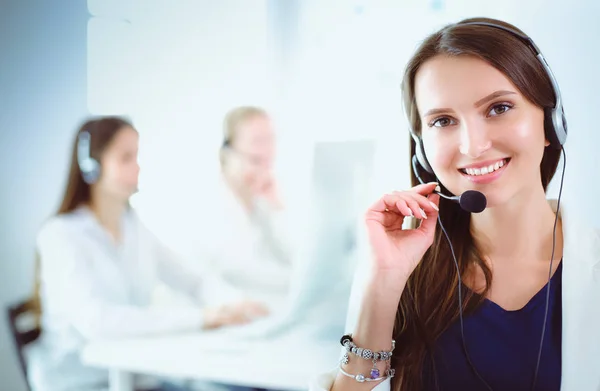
[{"x": 471, "y": 201}]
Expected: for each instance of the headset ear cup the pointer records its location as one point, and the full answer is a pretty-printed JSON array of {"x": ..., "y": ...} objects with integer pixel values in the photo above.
[
  {"x": 550, "y": 130},
  {"x": 90, "y": 177},
  {"x": 560, "y": 126},
  {"x": 88, "y": 166}
]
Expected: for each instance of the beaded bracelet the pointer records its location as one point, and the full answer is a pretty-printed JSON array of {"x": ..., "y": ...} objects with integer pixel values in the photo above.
[
  {"x": 366, "y": 354},
  {"x": 362, "y": 378}
]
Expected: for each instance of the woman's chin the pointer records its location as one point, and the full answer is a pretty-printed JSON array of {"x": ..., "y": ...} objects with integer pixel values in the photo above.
[{"x": 496, "y": 201}]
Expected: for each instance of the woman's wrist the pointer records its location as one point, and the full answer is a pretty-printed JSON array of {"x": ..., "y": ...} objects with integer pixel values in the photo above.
[
  {"x": 387, "y": 283},
  {"x": 377, "y": 315}
]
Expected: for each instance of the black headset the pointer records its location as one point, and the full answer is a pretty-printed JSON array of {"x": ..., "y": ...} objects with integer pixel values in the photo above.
[{"x": 555, "y": 123}]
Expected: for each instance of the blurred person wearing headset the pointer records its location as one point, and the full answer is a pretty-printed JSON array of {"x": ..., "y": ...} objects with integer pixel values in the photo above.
[
  {"x": 245, "y": 244},
  {"x": 98, "y": 267}
]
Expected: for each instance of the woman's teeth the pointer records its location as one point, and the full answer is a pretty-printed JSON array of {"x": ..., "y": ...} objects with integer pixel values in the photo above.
[{"x": 484, "y": 170}]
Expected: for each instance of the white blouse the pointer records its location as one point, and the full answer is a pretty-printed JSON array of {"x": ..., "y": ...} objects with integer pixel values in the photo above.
[
  {"x": 93, "y": 288},
  {"x": 241, "y": 255}
]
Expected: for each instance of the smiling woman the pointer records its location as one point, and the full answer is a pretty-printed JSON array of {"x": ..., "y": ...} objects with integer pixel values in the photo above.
[
  {"x": 483, "y": 95},
  {"x": 485, "y": 124},
  {"x": 486, "y": 116}
]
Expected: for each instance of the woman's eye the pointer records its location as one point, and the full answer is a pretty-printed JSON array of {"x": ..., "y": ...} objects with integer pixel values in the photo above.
[
  {"x": 499, "y": 109},
  {"x": 441, "y": 122}
]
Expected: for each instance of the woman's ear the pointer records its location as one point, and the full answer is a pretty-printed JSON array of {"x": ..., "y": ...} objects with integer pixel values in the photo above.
[{"x": 547, "y": 143}]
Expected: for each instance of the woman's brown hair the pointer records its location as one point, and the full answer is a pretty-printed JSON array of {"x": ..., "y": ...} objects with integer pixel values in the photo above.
[
  {"x": 429, "y": 303},
  {"x": 77, "y": 192}
]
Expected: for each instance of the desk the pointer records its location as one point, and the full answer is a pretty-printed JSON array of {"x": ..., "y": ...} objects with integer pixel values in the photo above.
[{"x": 284, "y": 363}]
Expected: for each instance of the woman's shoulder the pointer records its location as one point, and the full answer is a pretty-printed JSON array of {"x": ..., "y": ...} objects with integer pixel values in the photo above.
[{"x": 63, "y": 224}]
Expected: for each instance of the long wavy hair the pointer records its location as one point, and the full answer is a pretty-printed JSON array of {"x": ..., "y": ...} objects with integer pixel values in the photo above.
[{"x": 429, "y": 303}]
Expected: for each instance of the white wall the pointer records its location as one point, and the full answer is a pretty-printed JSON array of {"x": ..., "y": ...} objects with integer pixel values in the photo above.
[{"x": 42, "y": 96}]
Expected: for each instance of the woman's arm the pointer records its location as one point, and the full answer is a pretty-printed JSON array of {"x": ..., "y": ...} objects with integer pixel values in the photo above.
[
  {"x": 71, "y": 283},
  {"x": 372, "y": 327},
  {"x": 172, "y": 270}
]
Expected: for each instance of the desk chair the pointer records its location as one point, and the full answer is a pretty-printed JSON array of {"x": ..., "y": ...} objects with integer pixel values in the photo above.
[{"x": 21, "y": 337}]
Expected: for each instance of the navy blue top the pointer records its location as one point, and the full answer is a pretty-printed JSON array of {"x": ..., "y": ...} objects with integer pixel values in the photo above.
[{"x": 503, "y": 347}]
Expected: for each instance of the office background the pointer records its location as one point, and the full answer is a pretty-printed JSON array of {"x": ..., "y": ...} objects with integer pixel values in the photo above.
[{"x": 328, "y": 70}]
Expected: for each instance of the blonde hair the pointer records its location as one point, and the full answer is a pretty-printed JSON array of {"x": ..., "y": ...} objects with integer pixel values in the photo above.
[{"x": 232, "y": 121}]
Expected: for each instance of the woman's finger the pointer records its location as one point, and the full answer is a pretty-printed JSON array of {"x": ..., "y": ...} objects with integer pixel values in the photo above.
[
  {"x": 424, "y": 189},
  {"x": 423, "y": 202}
]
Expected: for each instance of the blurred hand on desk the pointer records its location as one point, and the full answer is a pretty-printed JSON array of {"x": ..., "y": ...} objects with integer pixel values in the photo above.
[{"x": 233, "y": 314}]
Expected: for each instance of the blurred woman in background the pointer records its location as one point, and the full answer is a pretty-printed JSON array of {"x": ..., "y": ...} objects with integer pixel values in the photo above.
[
  {"x": 99, "y": 266},
  {"x": 245, "y": 245}
]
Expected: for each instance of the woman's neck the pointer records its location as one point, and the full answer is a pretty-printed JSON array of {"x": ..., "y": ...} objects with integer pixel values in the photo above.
[
  {"x": 522, "y": 229},
  {"x": 108, "y": 212}
]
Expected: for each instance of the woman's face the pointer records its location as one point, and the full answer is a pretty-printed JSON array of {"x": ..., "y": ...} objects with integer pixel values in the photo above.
[
  {"x": 119, "y": 165},
  {"x": 249, "y": 159},
  {"x": 479, "y": 132}
]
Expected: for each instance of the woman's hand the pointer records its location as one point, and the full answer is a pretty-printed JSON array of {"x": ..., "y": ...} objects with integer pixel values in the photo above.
[
  {"x": 398, "y": 251},
  {"x": 234, "y": 314}
]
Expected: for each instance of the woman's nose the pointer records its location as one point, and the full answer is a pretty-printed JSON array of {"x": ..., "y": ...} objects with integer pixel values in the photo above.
[{"x": 474, "y": 141}]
